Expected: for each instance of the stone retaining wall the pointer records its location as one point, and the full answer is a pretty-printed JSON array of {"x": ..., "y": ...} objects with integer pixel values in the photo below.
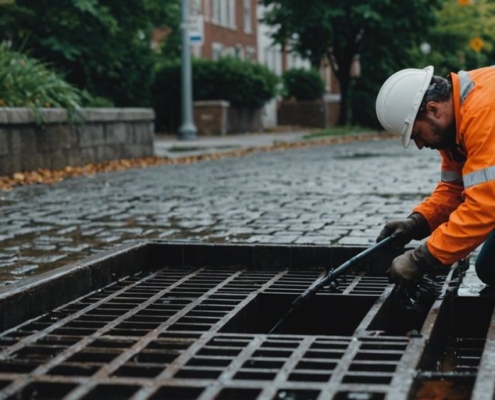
[
  {"x": 101, "y": 134},
  {"x": 315, "y": 114},
  {"x": 217, "y": 117}
]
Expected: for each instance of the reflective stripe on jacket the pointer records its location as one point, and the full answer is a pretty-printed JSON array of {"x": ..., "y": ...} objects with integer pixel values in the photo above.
[{"x": 461, "y": 210}]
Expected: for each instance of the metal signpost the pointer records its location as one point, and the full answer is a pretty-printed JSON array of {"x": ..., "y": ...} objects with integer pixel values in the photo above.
[{"x": 187, "y": 130}]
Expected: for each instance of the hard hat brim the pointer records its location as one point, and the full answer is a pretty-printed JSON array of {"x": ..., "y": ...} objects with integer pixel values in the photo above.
[{"x": 406, "y": 136}]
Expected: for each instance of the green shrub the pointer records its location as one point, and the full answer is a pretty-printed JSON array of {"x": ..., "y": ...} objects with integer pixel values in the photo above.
[
  {"x": 242, "y": 83},
  {"x": 166, "y": 96},
  {"x": 101, "y": 46},
  {"x": 26, "y": 82},
  {"x": 303, "y": 84}
]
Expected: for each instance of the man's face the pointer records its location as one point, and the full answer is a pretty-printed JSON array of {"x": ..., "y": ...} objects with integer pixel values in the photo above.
[{"x": 433, "y": 134}]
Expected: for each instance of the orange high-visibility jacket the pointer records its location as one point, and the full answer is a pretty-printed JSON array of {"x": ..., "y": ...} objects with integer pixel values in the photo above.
[{"x": 461, "y": 209}]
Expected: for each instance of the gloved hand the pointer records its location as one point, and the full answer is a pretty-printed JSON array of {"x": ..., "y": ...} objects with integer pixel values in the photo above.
[
  {"x": 414, "y": 227},
  {"x": 412, "y": 265}
]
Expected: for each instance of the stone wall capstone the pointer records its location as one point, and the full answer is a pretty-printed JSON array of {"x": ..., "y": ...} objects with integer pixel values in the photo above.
[{"x": 99, "y": 134}]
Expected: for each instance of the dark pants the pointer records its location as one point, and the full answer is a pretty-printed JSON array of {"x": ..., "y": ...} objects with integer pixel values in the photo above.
[{"x": 485, "y": 263}]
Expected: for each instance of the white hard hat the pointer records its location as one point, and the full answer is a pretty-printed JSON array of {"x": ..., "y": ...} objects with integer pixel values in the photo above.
[{"x": 399, "y": 99}]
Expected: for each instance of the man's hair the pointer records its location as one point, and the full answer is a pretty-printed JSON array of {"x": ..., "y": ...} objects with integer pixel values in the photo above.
[{"x": 438, "y": 91}]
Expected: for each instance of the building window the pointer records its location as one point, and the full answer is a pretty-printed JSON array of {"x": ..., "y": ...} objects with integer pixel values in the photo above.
[
  {"x": 239, "y": 51},
  {"x": 195, "y": 7},
  {"x": 232, "y": 21},
  {"x": 248, "y": 28},
  {"x": 216, "y": 51},
  {"x": 229, "y": 52},
  {"x": 216, "y": 11},
  {"x": 224, "y": 15},
  {"x": 250, "y": 53},
  {"x": 207, "y": 10}
]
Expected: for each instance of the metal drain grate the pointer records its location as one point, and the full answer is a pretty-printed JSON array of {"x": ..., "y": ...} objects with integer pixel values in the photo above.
[{"x": 193, "y": 332}]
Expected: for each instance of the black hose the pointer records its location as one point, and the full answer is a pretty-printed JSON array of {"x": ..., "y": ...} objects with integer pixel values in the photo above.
[{"x": 331, "y": 276}]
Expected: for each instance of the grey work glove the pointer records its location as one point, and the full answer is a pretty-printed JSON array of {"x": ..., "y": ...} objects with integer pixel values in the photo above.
[
  {"x": 409, "y": 267},
  {"x": 414, "y": 227}
]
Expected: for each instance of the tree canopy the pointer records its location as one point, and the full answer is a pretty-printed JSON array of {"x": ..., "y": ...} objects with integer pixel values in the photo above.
[
  {"x": 339, "y": 30},
  {"x": 464, "y": 38},
  {"x": 102, "y": 46}
]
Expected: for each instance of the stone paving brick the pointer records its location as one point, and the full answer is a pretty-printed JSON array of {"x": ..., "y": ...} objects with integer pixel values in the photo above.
[{"x": 336, "y": 195}]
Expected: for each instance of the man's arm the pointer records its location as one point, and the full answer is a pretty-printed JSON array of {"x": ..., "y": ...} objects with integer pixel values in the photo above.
[
  {"x": 446, "y": 197},
  {"x": 473, "y": 220}
]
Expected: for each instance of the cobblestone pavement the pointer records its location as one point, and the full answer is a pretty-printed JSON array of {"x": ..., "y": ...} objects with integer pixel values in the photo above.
[{"x": 338, "y": 194}]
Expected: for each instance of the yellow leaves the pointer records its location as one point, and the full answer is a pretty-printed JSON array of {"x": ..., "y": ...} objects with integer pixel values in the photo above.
[
  {"x": 476, "y": 44},
  {"x": 2, "y": 103},
  {"x": 18, "y": 176},
  {"x": 46, "y": 176}
]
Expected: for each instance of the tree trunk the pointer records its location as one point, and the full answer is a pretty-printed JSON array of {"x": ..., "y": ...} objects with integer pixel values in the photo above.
[{"x": 344, "y": 77}]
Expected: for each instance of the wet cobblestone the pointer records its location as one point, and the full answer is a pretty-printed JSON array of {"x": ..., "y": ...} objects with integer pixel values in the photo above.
[{"x": 339, "y": 194}]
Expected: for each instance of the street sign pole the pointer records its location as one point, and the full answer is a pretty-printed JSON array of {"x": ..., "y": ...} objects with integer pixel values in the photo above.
[{"x": 187, "y": 130}]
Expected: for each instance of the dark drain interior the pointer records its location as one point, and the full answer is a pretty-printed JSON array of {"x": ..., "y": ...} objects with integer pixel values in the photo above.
[
  {"x": 319, "y": 315},
  {"x": 450, "y": 364}
]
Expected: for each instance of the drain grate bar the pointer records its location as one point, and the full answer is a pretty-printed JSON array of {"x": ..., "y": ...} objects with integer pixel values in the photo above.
[
  {"x": 202, "y": 333},
  {"x": 186, "y": 357},
  {"x": 77, "y": 347},
  {"x": 60, "y": 317},
  {"x": 118, "y": 361}
]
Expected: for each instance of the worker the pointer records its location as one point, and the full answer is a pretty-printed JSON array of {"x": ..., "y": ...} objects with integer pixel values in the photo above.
[{"x": 456, "y": 116}]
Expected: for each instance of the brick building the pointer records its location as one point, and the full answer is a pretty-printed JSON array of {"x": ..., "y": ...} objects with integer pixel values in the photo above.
[
  {"x": 230, "y": 28},
  {"x": 233, "y": 28}
]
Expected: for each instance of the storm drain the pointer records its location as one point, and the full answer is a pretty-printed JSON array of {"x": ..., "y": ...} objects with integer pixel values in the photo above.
[{"x": 201, "y": 332}]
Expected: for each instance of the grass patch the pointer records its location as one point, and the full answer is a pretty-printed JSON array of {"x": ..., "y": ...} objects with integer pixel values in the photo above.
[
  {"x": 175, "y": 149},
  {"x": 178, "y": 149},
  {"x": 337, "y": 131}
]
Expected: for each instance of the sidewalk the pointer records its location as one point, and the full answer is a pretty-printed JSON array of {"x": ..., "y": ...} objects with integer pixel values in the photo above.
[{"x": 172, "y": 147}]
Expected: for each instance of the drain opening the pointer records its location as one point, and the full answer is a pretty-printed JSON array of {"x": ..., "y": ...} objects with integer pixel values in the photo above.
[
  {"x": 44, "y": 391},
  {"x": 319, "y": 315},
  {"x": 442, "y": 387},
  {"x": 357, "y": 395},
  {"x": 286, "y": 394},
  {"x": 238, "y": 394},
  {"x": 177, "y": 393},
  {"x": 450, "y": 363},
  {"x": 111, "y": 392}
]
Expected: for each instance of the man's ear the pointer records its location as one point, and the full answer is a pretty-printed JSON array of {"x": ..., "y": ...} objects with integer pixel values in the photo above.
[{"x": 433, "y": 109}]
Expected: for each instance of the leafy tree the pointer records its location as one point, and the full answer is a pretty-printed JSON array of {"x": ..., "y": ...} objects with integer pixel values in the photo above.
[
  {"x": 102, "y": 46},
  {"x": 339, "y": 30},
  {"x": 450, "y": 41},
  {"x": 172, "y": 44}
]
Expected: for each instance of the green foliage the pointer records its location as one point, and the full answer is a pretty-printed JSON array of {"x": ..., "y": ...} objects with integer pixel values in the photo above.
[
  {"x": 450, "y": 40},
  {"x": 26, "y": 82},
  {"x": 338, "y": 31},
  {"x": 171, "y": 46},
  {"x": 303, "y": 84},
  {"x": 102, "y": 46},
  {"x": 242, "y": 83},
  {"x": 166, "y": 96}
]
